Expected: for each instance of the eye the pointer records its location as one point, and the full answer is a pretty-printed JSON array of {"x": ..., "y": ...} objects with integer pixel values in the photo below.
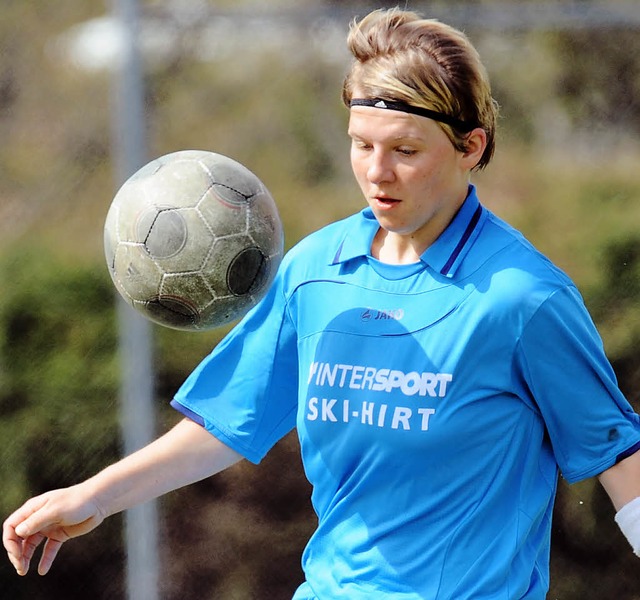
[
  {"x": 405, "y": 151},
  {"x": 360, "y": 145}
]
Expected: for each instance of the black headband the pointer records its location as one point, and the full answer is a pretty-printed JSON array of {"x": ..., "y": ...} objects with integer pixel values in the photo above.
[{"x": 414, "y": 110}]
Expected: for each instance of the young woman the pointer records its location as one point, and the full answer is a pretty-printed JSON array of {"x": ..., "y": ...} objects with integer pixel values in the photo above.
[{"x": 439, "y": 370}]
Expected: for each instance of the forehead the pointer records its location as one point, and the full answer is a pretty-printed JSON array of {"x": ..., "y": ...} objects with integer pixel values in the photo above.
[{"x": 379, "y": 123}]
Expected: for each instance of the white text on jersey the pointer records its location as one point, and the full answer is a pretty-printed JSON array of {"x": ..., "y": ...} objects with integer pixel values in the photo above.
[{"x": 357, "y": 377}]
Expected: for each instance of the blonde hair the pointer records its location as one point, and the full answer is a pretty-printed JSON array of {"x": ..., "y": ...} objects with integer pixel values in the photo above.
[{"x": 399, "y": 56}]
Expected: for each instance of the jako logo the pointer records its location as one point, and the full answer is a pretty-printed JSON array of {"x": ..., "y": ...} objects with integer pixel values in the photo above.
[{"x": 380, "y": 314}]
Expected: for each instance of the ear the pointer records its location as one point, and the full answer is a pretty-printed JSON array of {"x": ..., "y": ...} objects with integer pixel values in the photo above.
[{"x": 476, "y": 142}]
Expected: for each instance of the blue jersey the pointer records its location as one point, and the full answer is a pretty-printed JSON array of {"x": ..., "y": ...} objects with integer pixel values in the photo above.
[{"x": 434, "y": 403}]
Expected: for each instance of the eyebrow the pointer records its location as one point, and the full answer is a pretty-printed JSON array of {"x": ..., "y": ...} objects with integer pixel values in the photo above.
[{"x": 399, "y": 138}]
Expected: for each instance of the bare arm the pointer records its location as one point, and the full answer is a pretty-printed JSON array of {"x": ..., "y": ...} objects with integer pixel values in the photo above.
[
  {"x": 622, "y": 481},
  {"x": 184, "y": 455}
]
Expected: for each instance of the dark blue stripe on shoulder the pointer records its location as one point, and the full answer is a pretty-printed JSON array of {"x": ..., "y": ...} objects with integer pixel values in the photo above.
[
  {"x": 186, "y": 412},
  {"x": 463, "y": 240},
  {"x": 336, "y": 258}
]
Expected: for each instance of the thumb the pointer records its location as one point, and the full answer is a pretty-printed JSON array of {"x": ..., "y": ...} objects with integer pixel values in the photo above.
[
  {"x": 31, "y": 517},
  {"x": 23, "y": 530},
  {"x": 35, "y": 519}
]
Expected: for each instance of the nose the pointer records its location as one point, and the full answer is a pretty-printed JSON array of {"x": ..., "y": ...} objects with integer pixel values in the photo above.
[{"x": 380, "y": 168}]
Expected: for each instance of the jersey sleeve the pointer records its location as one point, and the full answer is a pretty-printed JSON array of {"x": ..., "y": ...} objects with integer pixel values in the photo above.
[
  {"x": 245, "y": 391},
  {"x": 561, "y": 363}
]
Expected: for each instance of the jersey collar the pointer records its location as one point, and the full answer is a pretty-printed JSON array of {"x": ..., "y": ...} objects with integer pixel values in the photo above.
[{"x": 444, "y": 256}]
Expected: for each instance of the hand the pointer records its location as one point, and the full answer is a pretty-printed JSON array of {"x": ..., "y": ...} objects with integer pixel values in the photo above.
[
  {"x": 185, "y": 454},
  {"x": 54, "y": 518}
]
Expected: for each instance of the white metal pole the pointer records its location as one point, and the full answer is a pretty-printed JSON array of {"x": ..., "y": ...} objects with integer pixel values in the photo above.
[{"x": 135, "y": 334}]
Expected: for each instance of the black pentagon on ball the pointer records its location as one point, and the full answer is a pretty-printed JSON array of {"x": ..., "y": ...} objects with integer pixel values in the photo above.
[
  {"x": 172, "y": 311},
  {"x": 246, "y": 271}
]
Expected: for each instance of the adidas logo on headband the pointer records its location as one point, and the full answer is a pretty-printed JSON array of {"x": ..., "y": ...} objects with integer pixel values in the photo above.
[{"x": 458, "y": 124}]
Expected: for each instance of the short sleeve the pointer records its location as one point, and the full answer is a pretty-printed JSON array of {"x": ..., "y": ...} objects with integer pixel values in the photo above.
[
  {"x": 245, "y": 391},
  {"x": 560, "y": 360}
]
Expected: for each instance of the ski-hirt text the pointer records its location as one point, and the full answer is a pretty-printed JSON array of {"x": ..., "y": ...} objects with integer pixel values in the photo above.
[{"x": 368, "y": 412}]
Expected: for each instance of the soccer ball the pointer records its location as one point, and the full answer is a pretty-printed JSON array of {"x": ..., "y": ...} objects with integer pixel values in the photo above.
[{"x": 193, "y": 240}]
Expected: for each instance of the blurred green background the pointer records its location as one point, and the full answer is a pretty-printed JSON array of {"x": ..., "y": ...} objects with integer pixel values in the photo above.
[{"x": 260, "y": 82}]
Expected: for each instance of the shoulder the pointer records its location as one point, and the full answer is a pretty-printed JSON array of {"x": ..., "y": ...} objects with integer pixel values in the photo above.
[
  {"x": 517, "y": 261},
  {"x": 327, "y": 240},
  {"x": 511, "y": 275},
  {"x": 318, "y": 250}
]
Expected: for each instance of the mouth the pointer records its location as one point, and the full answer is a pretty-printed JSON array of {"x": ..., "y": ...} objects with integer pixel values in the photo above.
[{"x": 385, "y": 201}]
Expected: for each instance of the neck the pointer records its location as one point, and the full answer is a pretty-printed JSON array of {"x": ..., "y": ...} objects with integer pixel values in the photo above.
[{"x": 394, "y": 249}]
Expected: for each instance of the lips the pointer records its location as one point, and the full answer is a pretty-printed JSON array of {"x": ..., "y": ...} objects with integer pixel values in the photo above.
[{"x": 385, "y": 201}]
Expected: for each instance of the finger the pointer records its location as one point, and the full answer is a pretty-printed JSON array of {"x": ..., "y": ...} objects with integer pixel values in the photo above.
[
  {"x": 14, "y": 531},
  {"x": 29, "y": 518},
  {"x": 10, "y": 540},
  {"x": 49, "y": 553},
  {"x": 36, "y": 522},
  {"x": 33, "y": 517},
  {"x": 18, "y": 563},
  {"x": 14, "y": 546},
  {"x": 30, "y": 545}
]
